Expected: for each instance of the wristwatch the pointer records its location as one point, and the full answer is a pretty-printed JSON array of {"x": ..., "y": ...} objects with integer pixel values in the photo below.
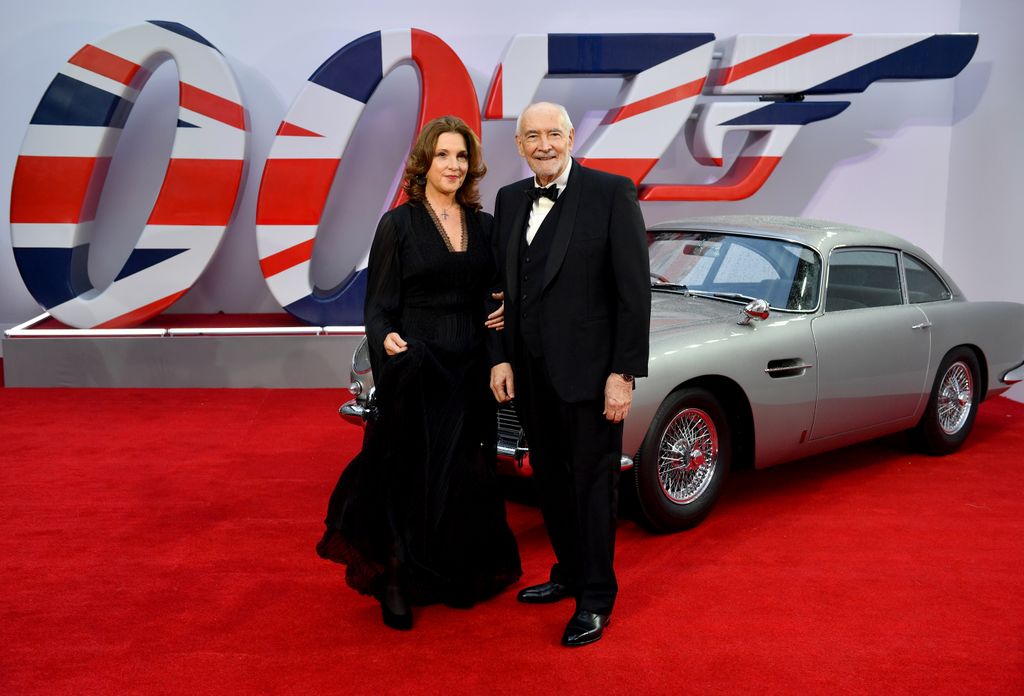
[{"x": 626, "y": 378}]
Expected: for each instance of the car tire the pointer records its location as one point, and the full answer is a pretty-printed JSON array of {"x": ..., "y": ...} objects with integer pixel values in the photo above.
[
  {"x": 952, "y": 404},
  {"x": 684, "y": 460}
]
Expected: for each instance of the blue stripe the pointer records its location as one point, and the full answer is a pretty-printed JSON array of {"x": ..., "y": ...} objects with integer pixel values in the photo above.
[
  {"x": 343, "y": 307},
  {"x": 183, "y": 31},
  {"x": 71, "y": 102},
  {"x": 141, "y": 259},
  {"x": 355, "y": 70},
  {"x": 616, "y": 54},
  {"x": 789, "y": 113},
  {"x": 938, "y": 56},
  {"x": 54, "y": 276}
]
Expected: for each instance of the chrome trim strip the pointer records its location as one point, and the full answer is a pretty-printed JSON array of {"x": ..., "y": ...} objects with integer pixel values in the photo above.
[{"x": 787, "y": 368}]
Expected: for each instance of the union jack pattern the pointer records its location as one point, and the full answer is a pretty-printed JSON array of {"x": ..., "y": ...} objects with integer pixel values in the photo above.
[
  {"x": 66, "y": 155},
  {"x": 307, "y": 150},
  {"x": 665, "y": 75}
]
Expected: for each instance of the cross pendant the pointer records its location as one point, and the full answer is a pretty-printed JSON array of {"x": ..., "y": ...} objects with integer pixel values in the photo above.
[{"x": 444, "y": 215}]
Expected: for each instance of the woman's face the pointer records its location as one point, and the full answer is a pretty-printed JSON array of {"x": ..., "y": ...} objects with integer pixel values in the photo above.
[{"x": 451, "y": 162}]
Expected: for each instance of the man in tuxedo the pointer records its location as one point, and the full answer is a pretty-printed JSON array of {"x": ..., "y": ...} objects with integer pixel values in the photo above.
[{"x": 571, "y": 249}]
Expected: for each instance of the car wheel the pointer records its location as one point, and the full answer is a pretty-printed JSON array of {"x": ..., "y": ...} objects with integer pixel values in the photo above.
[
  {"x": 684, "y": 460},
  {"x": 952, "y": 404}
]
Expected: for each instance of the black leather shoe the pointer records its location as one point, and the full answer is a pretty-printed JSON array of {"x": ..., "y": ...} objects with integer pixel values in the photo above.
[
  {"x": 584, "y": 627},
  {"x": 545, "y": 593}
]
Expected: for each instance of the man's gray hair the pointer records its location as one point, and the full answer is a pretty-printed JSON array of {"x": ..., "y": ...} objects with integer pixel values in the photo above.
[{"x": 564, "y": 116}]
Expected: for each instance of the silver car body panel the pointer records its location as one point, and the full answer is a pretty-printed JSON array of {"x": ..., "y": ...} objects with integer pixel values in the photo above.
[
  {"x": 814, "y": 380},
  {"x": 862, "y": 373}
]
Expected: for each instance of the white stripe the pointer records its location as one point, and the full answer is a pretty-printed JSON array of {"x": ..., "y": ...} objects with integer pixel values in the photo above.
[
  {"x": 214, "y": 140},
  {"x": 290, "y": 285},
  {"x": 50, "y": 235},
  {"x": 524, "y": 66},
  {"x": 323, "y": 111},
  {"x": 272, "y": 239},
  {"x": 395, "y": 48},
  {"x": 70, "y": 141}
]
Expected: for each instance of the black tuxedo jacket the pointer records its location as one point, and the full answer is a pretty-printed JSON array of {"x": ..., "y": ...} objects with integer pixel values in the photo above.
[{"x": 596, "y": 302}]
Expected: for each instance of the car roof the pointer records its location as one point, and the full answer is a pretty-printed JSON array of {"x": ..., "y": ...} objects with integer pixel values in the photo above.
[{"x": 822, "y": 235}]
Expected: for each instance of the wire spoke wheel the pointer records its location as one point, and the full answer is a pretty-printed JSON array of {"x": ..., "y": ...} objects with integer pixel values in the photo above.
[
  {"x": 688, "y": 455},
  {"x": 952, "y": 403},
  {"x": 683, "y": 460},
  {"x": 956, "y": 396}
]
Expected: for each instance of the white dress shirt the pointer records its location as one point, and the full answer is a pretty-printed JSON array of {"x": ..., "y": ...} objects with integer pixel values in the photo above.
[{"x": 542, "y": 206}]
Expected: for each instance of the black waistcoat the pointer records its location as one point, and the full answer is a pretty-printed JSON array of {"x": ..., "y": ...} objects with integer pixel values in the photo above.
[{"x": 532, "y": 260}]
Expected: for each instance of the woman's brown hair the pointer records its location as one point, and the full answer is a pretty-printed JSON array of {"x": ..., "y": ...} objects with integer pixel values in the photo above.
[{"x": 422, "y": 156}]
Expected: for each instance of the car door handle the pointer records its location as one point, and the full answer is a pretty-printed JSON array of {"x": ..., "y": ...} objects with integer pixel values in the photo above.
[{"x": 922, "y": 325}]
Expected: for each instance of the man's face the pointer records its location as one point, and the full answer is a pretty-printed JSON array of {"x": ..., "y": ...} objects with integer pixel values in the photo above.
[{"x": 543, "y": 142}]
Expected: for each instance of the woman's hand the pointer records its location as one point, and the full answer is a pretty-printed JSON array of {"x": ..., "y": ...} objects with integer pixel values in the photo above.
[
  {"x": 496, "y": 319},
  {"x": 394, "y": 344}
]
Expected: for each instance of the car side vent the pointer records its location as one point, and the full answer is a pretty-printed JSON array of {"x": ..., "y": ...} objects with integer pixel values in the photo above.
[{"x": 788, "y": 367}]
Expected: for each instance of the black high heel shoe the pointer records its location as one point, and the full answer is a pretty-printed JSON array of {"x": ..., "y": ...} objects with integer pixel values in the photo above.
[
  {"x": 399, "y": 622},
  {"x": 394, "y": 609}
]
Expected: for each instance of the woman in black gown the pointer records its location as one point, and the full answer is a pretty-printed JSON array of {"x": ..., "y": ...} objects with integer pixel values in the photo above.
[{"x": 417, "y": 516}]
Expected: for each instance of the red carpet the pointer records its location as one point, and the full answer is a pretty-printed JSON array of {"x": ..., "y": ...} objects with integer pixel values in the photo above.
[{"x": 161, "y": 542}]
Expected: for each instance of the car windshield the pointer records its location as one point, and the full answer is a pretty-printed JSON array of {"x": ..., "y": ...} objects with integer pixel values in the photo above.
[{"x": 735, "y": 268}]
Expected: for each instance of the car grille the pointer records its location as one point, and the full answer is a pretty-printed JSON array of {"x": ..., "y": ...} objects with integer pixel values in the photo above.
[{"x": 511, "y": 441}]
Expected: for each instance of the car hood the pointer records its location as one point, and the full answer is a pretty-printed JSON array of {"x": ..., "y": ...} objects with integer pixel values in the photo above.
[{"x": 672, "y": 312}]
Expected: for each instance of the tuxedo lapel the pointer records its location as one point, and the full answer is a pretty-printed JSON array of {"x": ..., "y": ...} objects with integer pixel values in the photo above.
[
  {"x": 566, "y": 223},
  {"x": 522, "y": 205}
]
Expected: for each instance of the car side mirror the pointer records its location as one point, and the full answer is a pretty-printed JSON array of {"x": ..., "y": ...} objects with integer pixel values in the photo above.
[{"x": 755, "y": 309}]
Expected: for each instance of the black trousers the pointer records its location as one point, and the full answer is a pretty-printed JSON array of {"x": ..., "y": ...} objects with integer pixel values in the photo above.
[{"x": 575, "y": 455}]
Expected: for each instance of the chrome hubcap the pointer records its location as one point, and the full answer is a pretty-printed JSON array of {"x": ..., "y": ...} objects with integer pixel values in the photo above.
[
  {"x": 956, "y": 395},
  {"x": 687, "y": 455}
]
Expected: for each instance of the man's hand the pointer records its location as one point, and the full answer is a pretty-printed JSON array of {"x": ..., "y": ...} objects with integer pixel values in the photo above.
[
  {"x": 618, "y": 397},
  {"x": 394, "y": 344},
  {"x": 496, "y": 319},
  {"x": 502, "y": 384}
]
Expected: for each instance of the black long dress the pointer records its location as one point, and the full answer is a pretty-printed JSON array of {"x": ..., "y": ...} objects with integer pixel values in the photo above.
[{"x": 423, "y": 488}]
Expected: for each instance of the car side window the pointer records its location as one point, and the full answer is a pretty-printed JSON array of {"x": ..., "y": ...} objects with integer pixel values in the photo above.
[
  {"x": 862, "y": 278},
  {"x": 923, "y": 284}
]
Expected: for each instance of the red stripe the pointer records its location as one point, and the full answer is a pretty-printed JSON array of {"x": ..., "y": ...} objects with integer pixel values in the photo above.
[
  {"x": 494, "y": 107},
  {"x": 105, "y": 63},
  {"x": 197, "y": 192},
  {"x": 743, "y": 180},
  {"x": 283, "y": 260},
  {"x": 137, "y": 316},
  {"x": 291, "y": 129},
  {"x": 793, "y": 49},
  {"x": 656, "y": 101},
  {"x": 635, "y": 169},
  {"x": 209, "y": 104},
  {"x": 57, "y": 189},
  {"x": 293, "y": 191}
]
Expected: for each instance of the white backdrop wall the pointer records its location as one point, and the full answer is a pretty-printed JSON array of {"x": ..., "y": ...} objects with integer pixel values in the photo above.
[{"x": 930, "y": 160}]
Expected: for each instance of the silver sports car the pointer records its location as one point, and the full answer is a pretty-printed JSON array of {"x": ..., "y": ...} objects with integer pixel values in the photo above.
[{"x": 778, "y": 338}]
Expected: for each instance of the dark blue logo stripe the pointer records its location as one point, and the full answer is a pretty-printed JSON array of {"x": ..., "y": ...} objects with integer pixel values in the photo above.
[
  {"x": 940, "y": 56},
  {"x": 355, "y": 70},
  {"x": 616, "y": 54},
  {"x": 789, "y": 113},
  {"x": 71, "y": 102},
  {"x": 54, "y": 275}
]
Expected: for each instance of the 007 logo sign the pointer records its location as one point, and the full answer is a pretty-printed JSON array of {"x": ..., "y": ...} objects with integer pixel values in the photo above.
[{"x": 71, "y": 139}]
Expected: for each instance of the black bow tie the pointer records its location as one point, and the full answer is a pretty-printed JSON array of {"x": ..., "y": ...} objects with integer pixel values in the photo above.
[{"x": 536, "y": 193}]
